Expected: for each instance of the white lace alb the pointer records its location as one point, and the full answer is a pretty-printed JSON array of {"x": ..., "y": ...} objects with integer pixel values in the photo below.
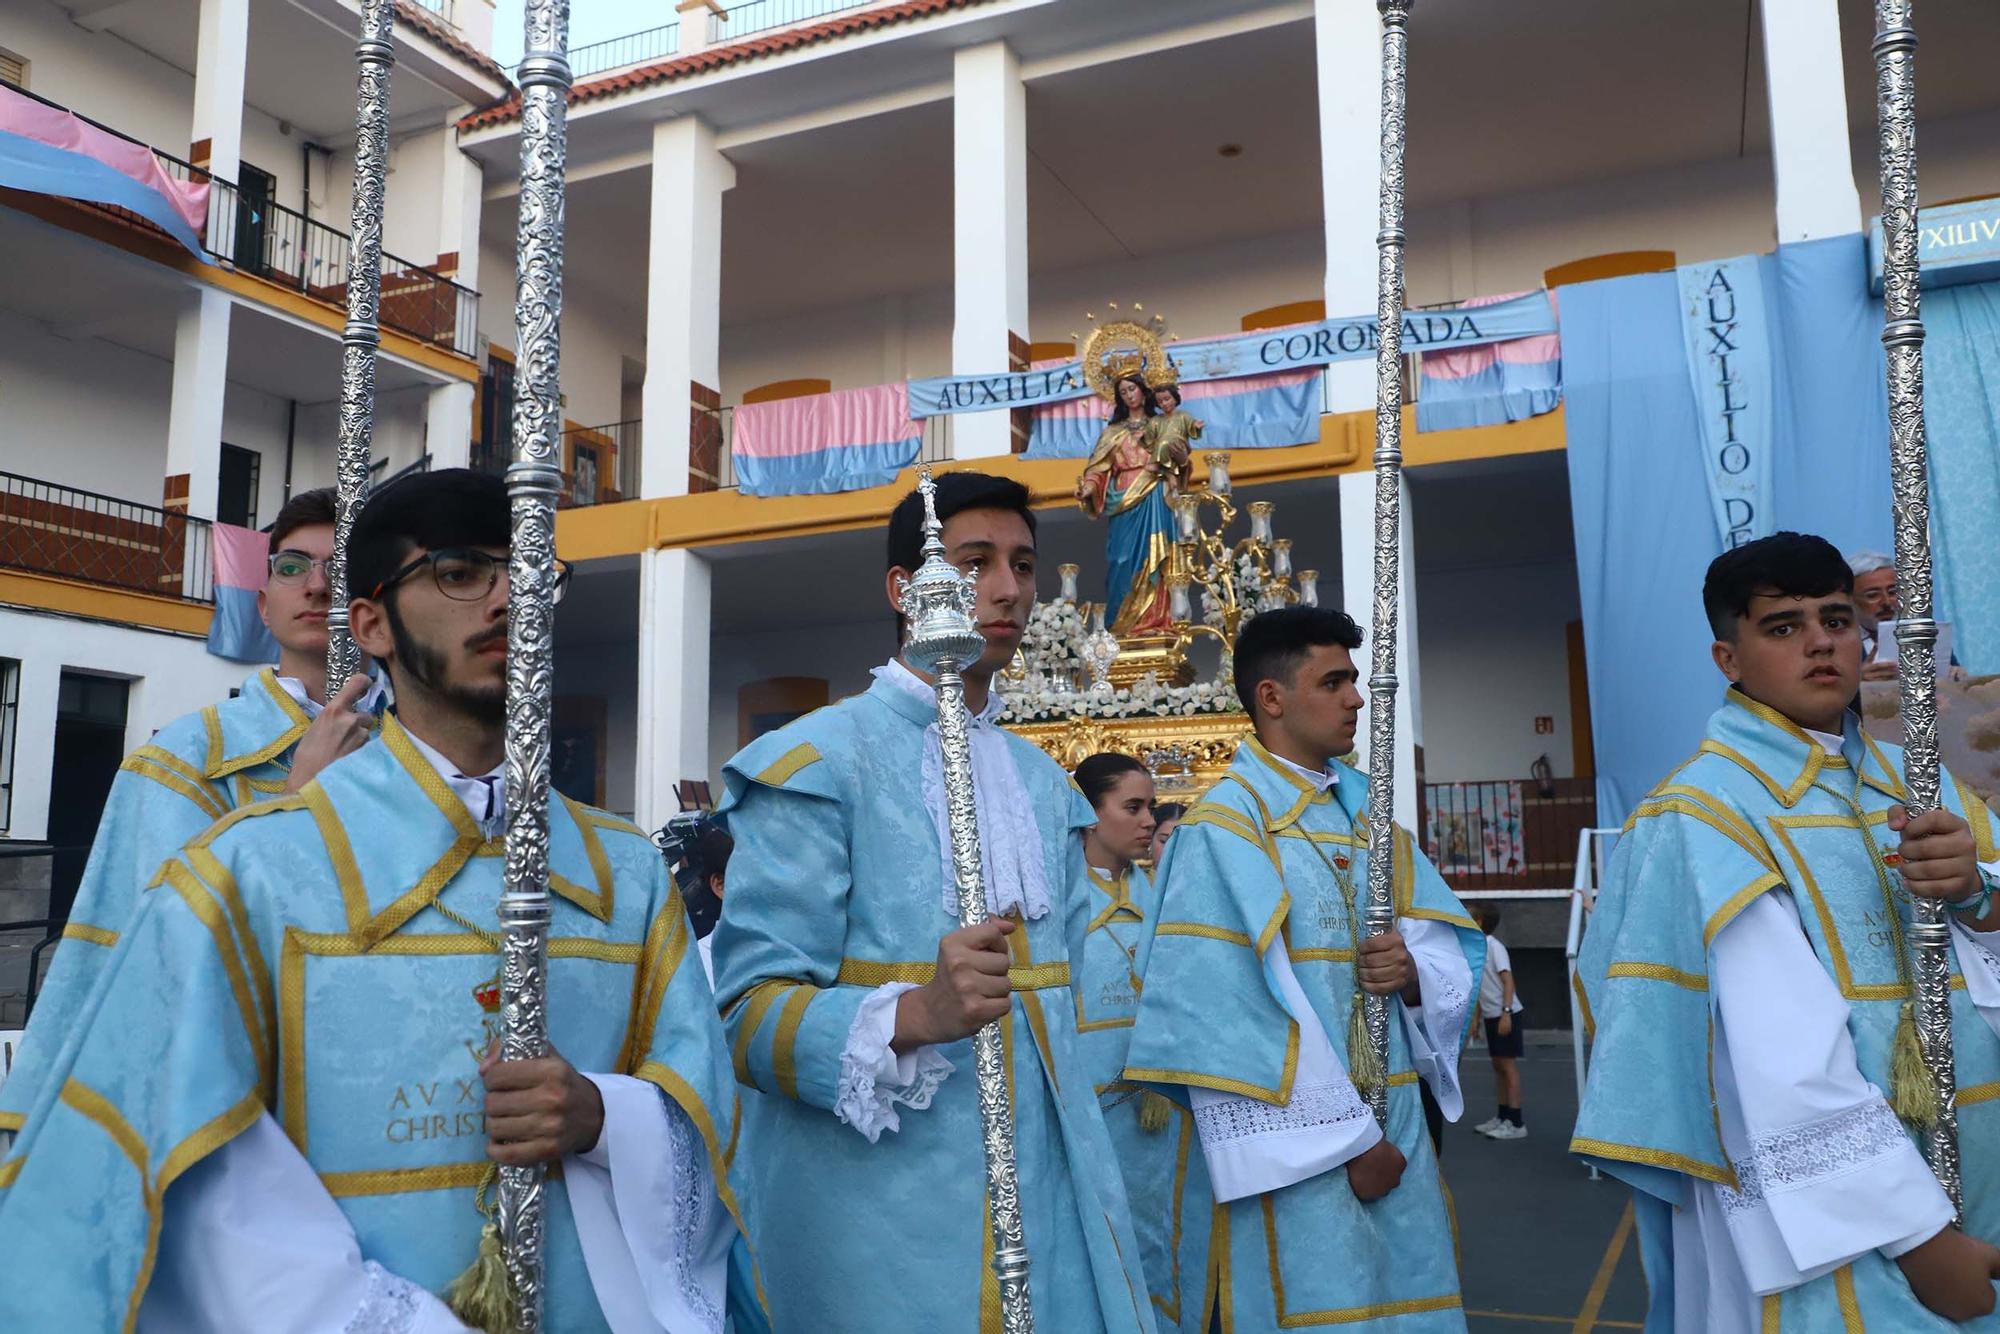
[
  {"x": 873, "y": 1079},
  {"x": 694, "y": 1204},
  {"x": 390, "y": 1306},
  {"x": 1313, "y": 1107},
  {"x": 1799, "y": 1155},
  {"x": 1010, "y": 842}
]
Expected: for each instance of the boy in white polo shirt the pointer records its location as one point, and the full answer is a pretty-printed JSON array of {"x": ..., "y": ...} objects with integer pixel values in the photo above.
[{"x": 1498, "y": 1004}]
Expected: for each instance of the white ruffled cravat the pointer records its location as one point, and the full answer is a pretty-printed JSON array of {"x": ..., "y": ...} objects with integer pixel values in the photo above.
[{"x": 1010, "y": 842}]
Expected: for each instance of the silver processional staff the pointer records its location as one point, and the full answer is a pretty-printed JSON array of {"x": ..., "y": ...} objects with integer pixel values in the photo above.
[
  {"x": 1380, "y": 915},
  {"x": 943, "y": 637},
  {"x": 1916, "y": 632}
]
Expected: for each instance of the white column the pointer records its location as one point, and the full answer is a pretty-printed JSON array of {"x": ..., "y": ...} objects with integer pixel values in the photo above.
[
  {"x": 448, "y": 424},
  {"x": 1357, "y": 587},
  {"x": 194, "y": 412},
  {"x": 1809, "y": 135},
  {"x": 673, "y": 680},
  {"x": 989, "y": 231},
  {"x": 1349, "y": 40},
  {"x": 221, "y": 41},
  {"x": 448, "y": 408},
  {"x": 683, "y": 296}
]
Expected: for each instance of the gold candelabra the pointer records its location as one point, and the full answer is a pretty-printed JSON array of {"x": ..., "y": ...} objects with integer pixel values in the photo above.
[{"x": 1236, "y": 579}]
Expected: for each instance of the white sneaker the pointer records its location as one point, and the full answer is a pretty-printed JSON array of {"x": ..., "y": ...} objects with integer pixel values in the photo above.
[
  {"x": 1489, "y": 1125},
  {"x": 1508, "y": 1130}
]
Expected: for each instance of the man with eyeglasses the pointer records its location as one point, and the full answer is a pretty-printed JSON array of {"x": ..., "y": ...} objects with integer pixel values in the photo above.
[
  {"x": 272, "y": 737},
  {"x": 285, "y": 1109}
]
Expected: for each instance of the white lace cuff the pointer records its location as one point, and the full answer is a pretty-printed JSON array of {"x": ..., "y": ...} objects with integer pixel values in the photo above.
[
  {"x": 1254, "y": 1147},
  {"x": 873, "y": 1078},
  {"x": 395, "y": 1305},
  {"x": 1827, "y": 1191}
]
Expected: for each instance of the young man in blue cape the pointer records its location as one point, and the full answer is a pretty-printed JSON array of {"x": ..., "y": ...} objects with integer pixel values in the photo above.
[
  {"x": 272, "y": 737},
  {"x": 1754, "y": 1075},
  {"x": 280, "y": 1110},
  {"x": 1253, "y": 982},
  {"x": 851, "y": 994}
]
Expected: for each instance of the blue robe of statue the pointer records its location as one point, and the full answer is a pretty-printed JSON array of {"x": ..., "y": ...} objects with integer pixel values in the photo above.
[
  {"x": 1759, "y": 807},
  {"x": 193, "y": 772},
  {"x": 836, "y": 888},
  {"x": 1166, "y": 1179},
  {"x": 1256, "y": 858},
  {"x": 311, "y": 957}
]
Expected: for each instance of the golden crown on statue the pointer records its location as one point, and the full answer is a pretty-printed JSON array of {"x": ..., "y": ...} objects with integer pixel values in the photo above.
[{"x": 1126, "y": 347}]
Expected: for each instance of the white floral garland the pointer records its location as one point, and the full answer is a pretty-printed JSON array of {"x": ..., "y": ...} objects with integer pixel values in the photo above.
[{"x": 1145, "y": 698}]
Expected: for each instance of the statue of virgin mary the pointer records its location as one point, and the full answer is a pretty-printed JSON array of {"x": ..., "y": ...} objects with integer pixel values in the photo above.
[{"x": 1133, "y": 474}]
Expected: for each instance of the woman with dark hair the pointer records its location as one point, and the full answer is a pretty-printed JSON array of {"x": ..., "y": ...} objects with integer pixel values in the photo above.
[
  {"x": 1120, "y": 790},
  {"x": 1165, "y": 816},
  {"x": 1130, "y": 480}
]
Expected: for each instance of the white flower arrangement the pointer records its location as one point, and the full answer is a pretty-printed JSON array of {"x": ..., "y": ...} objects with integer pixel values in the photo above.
[
  {"x": 1144, "y": 698},
  {"x": 1051, "y": 640}
]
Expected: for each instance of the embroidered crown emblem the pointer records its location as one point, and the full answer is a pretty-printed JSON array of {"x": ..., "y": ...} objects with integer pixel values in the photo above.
[{"x": 487, "y": 993}]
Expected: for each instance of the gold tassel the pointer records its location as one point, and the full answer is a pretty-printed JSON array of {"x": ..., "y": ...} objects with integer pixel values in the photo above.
[
  {"x": 1364, "y": 1066},
  {"x": 1912, "y": 1094},
  {"x": 483, "y": 1296},
  {"x": 1155, "y": 1110}
]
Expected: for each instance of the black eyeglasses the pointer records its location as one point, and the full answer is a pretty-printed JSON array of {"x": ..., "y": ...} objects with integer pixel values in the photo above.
[
  {"x": 295, "y": 567},
  {"x": 467, "y": 574}
]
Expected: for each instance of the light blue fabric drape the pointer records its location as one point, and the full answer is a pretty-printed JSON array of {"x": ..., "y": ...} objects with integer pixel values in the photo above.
[
  {"x": 1644, "y": 531},
  {"x": 1962, "y": 423}
]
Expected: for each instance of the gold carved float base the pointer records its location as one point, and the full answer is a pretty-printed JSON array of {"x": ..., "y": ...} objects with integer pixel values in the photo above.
[
  {"x": 1164, "y": 656},
  {"x": 1186, "y": 754}
]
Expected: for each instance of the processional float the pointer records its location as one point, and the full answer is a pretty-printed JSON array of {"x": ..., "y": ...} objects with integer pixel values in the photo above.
[
  {"x": 1380, "y": 915},
  {"x": 1916, "y": 631},
  {"x": 533, "y": 481},
  {"x": 937, "y": 601}
]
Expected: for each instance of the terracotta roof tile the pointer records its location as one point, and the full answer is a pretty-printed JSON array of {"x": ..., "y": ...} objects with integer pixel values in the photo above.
[
  {"x": 719, "y": 57},
  {"x": 435, "y": 28}
]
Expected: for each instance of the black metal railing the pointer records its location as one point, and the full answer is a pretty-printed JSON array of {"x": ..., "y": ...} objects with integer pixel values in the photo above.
[
  {"x": 100, "y": 539},
  {"x": 634, "y": 48},
  {"x": 1506, "y": 833},
  {"x": 600, "y": 463},
  {"x": 255, "y": 234},
  {"x": 754, "y": 16},
  {"x": 32, "y": 937},
  {"x": 377, "y": 483}
]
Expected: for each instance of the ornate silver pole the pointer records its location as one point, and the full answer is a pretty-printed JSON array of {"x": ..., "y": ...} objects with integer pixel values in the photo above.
[
  {"x": 533, "y": 480},
  {"x": 938, "y": 603},
  {"x": 1381, "y": 912},
  {"x": 375, "y": 55},
  {"x": 1916, "y": 632}
]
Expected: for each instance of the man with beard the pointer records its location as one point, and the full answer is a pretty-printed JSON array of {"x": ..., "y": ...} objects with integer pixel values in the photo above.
[
  {"x": 272, "y": 737},
  {"x": 852, "y": 994},
  {"x": 272, "y": 1116}
]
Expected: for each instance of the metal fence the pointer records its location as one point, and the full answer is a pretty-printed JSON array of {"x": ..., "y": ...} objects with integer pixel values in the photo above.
[
  {"x": 636, "y": 48},
  {"x": 1506, "y": 833},
  {"x": 755, "y": 16},
  {"x": 255, "y": 234},
  {"x": 100, "y": 539},
  {"x": 600, "y": 463}
]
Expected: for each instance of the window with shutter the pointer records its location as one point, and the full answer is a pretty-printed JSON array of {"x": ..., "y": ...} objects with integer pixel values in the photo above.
[{"x": 13, "y": 69}]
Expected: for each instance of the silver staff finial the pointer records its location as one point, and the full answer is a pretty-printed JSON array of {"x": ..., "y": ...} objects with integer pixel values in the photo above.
[{"x": 938, "y": 601}]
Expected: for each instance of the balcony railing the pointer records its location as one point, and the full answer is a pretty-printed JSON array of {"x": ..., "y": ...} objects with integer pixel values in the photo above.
[
  {"x": 100, "y": 539},
  {"x": 257, "y": 235},
  {"x": 636, "y": 48},
  {"x": 600, "y": 464},
  {"x": 1506, "y": 833},
  {"x": 754, "y": 16}
]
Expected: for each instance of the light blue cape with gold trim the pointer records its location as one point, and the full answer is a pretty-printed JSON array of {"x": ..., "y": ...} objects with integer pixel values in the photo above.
[
  {"x": 1760, "y": 806},
  {"x": 1262, "y": 856},
  {"x": 194, "y": 771},
  {"x": 328, "y": 958}
]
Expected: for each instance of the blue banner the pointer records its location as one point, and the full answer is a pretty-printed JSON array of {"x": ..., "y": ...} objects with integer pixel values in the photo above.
[
  {"x": 1728, "y": 350},
  {"x": 1349, "y": 339}
]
